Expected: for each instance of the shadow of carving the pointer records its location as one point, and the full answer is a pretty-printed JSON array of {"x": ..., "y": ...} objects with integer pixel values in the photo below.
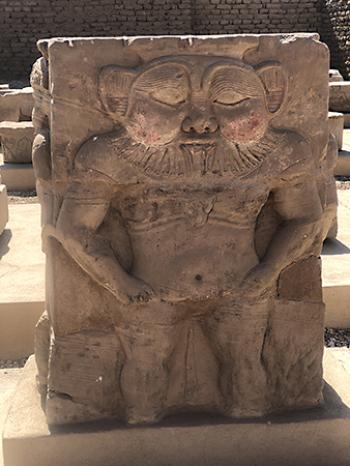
[
  {"x": 332, "y": 247},
  {"x": 5, "y": 239},
  {"x": 332, "y": 408}
]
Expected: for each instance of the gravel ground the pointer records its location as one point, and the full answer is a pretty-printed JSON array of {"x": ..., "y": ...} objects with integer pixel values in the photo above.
[
  {"x": 332, "y": 338},
  {"x": 12, "y": 364},
  {"x": 22, "y": 197},
  {"x": 342, "y": 182},
  {"x": 337, "y": 338}
]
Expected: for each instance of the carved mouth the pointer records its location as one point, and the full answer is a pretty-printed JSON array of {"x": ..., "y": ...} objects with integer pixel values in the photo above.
[{"x": 196, "y": 139}]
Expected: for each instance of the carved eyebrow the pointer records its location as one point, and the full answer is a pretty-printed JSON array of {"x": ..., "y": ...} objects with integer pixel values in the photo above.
[
  {"x": 235, "y": 79},
  {"x": 167, "y": 75},
  {"x": 241, "y": 87}
]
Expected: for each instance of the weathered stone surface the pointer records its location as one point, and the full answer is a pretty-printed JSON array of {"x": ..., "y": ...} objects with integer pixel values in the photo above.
[
  {"x": 336, "y": 127},
  {"x": 17, "y": 141},
  {"x": 339, "y": 96},
  {"x": 317, "y": 437},
  {"x": 16, "y": 105},
  {"x": 183, "y": 184}
]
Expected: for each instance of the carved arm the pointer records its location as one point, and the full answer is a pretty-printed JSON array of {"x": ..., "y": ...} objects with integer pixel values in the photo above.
[
  {"x": 300, "y": 208},
  {"x": 77, "y": 231}
]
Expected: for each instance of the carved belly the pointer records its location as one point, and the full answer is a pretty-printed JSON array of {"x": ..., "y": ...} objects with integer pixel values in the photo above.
[
  {"x": 177, "y": 236},
  {"x": 181, "y": 257}
]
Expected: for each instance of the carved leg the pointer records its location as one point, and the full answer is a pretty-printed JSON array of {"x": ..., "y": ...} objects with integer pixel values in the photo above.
[
  {"x": 148, "y": 336},
  {"x": 237, "y": 333}
]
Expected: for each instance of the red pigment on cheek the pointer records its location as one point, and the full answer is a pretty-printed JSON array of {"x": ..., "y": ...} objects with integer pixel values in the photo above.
[
  {"x": 243, "y": 130},
  {"x": 143, "y": 132}
]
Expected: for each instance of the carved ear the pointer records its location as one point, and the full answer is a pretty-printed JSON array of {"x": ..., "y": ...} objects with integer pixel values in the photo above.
[
  {"x": 114, "y": 87},
  {"x": 275, "y": 84}
]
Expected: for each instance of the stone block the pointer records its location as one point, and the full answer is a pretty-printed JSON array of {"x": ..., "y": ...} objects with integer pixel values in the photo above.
[
  {"x": 16, "y": 105},
  {"x": 184, "y": 212},
  {"x": 336, "y": 127},
  {"x": 17, "y": 176},
  {"x": 335, "y": 76},
  {"x": 339, "y": 96},
  {"x": 317, "y": 437},
  {"x": 343, "y": 163},
  {"x": 16, "y": 141},
  {"x": 347, "y": 120},
  {"x": 22, "y": 281},
  {"x": 4, "y": 215}
]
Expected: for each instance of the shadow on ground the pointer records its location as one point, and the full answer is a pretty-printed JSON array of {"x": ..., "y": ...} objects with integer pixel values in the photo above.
[{"x": 5, "y": 239}]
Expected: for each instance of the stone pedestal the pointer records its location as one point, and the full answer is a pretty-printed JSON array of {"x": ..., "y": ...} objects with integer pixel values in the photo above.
[
  {"x": 17, "y": 176},
  {"x": 335, "y": 76},
  {"x": 16, "y": 166},
  {"x": 182, "y": 216},
  {"x": 339, "y": 96},
  {"x": 336, "y": 127},
  {"x": 17, "y": 141},
  {"x": 3, "y": 207},
  {"x": 318, "y": 437},
  {"x": 347, "y": 120},
  {"x": 16, "y": 104}
]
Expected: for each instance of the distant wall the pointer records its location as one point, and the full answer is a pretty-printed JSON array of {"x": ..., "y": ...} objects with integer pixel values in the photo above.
[
  {"x": 335, "y": 31},
  {"x": 251, "y": 16},
  {"x": 23, "y": 22}
]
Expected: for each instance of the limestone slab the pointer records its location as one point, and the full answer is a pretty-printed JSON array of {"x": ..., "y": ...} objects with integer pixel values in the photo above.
[
  {"x": 336, "y": 268},
  {"x": 336, "y": 126},
  {"x": 339, "y": 96},
  {"x": 318, "y": 437},
  {"x": 346, "y": 138},
  {"x": 22, "y": 278},
  {"x": 334, "y": 75},
  {"x": 16, "y": 104},
  {"x": 8, "y": 380},
  {"x": 17, "y": 176},
  {"x": 16, "y": 141},
  {"x": 347, "y": 120},
  {"x": 184, "y": 213},
  {"x": 343, "y": 163}
]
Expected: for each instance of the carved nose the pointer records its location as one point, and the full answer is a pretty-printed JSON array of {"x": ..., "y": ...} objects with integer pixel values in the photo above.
[{"x": 200, "y": 123}]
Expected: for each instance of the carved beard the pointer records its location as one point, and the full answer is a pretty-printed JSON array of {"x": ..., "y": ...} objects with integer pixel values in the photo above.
[{"x": 174, "y": 159}]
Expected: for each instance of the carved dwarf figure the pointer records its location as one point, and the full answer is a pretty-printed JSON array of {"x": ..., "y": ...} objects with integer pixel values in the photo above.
[{"x": 167, "y": 212}]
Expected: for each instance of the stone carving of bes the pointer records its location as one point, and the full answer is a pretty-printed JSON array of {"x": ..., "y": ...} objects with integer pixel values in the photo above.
[{"x": 162, "y": 212}]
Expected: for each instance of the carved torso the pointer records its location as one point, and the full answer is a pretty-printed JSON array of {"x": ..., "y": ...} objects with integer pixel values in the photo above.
[{"x": 178, "y": 224}]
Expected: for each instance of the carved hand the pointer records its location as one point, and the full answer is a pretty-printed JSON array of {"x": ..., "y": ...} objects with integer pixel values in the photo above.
[
  {"x": 258, "y": 280},
  {"x": 128, "y": 289}
]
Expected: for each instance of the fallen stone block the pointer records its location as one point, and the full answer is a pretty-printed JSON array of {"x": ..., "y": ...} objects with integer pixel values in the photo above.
[
  {"x": 343, "y": 163},
  {"x": 17, "y": 141},
  {"x": 339, "y": 96},
  {"x": 346, "y": 120},
  {"x": 335, "y": 75},
  {"x": 18, "y": 176},
  {"x": 336, "y": 126},
  {"x": 16, "y": 104}
]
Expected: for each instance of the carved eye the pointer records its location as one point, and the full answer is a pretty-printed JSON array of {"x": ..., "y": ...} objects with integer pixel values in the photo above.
[
  {"x": 230, "y": 99},
  {"x": 169, "y": 96}
]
